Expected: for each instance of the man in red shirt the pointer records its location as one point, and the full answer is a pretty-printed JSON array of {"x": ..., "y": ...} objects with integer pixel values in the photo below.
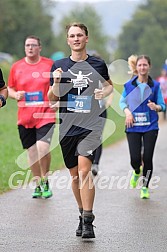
[{"x": 29, "y": 83}]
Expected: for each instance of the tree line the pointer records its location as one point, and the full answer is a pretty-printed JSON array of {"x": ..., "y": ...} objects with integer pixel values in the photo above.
[
  {"x": 145, "y": 33},
  {"x": 20, "y": 18}
]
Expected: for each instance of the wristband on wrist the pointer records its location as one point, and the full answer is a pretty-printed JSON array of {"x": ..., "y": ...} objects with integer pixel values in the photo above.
[{"x": 2, "y": 98}]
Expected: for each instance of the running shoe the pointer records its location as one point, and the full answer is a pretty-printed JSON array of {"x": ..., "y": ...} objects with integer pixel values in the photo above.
[
  {"x": 144, "y": 193},
  {"x": 37, "y": 193},
  {"x": 134, "y": 178},
  {"x": 79, "y": 229},
  {"x": 46, "y": 192},
  {"x": 87, "y": 227}
]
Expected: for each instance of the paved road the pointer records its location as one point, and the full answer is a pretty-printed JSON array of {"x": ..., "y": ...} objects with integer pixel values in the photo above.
[{"x": 124, "y": 222}]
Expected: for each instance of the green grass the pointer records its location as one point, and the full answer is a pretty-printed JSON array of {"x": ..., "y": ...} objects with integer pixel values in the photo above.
[
  {"x": 11, "y": 148},
  {"x": 114, "y": 128}
]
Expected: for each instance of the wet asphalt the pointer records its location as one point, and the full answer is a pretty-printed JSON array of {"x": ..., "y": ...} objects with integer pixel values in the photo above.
[{"x": 124, "y": 222}]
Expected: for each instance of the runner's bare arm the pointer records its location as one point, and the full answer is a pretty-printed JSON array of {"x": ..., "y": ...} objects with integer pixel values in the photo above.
[
  {"x": 105, "y": 91},
  {"x": 18, "y": 95},
  {"x": 53, "y": 93}
]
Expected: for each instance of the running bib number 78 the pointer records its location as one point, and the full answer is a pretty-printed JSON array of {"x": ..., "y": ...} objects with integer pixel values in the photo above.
[{"x": 79, "y": 103}]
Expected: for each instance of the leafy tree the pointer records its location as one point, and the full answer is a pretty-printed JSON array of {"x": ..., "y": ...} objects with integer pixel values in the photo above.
[
  {"x": 87, "y": 15},
  {"x": 146, "y": 34},
  {"x": 20, "y": 18}
]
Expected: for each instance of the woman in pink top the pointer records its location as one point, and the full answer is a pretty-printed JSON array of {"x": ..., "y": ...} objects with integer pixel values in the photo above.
[{"x": 162, "y": 79}]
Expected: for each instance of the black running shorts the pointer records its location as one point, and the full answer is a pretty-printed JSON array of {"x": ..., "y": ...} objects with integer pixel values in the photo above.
[
  {"x": 84, "y": 144},
  {"x": 29, "y": 136}
]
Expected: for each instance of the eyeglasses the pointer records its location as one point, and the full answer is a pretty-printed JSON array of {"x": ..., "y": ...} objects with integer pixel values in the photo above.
[{"x": 31, "y": 45}]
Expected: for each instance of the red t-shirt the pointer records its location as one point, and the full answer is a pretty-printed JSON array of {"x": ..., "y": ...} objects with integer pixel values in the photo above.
[{"x": 34, "y": 79}]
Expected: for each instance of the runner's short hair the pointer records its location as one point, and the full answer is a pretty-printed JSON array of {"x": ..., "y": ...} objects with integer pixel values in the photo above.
[
  {"x": 34, "y": 37},
  {"x": 80, "y": 25}
]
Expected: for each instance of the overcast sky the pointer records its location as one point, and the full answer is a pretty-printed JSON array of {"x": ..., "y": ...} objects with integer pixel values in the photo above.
[
  {"x": 93, "y": 1},
  {"x": 113, "y": 12}
]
